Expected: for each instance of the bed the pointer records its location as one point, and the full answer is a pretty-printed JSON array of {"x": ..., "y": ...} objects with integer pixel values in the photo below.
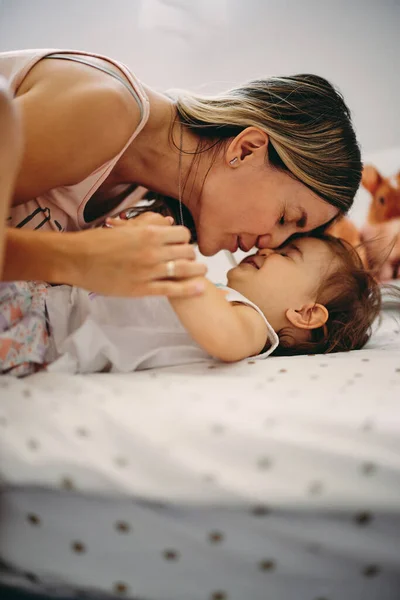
[{"x": 276, "y": 479}]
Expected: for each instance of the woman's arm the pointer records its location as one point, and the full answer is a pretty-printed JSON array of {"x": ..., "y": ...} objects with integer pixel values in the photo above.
[
  {"x": 225, "y": 330},
  {"x": 72, "y": 122},
  {"x": 35, "y": 255},
  {"x": 74, "y": 119},
  {"x": 10, "y": 155},
  {"x": 127, "y": 260}
]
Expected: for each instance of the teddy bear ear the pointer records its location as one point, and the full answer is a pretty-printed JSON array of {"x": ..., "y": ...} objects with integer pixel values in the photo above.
[{"x": 371, "y": 178}]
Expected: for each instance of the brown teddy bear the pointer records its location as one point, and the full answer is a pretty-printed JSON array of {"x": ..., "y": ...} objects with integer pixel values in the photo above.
[
  {"x": 385, "y": 193},
  {"x": 382, "y": 229}
]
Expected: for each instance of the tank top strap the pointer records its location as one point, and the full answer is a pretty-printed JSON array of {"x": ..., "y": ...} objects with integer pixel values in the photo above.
[{"x": 85, "y": 61}]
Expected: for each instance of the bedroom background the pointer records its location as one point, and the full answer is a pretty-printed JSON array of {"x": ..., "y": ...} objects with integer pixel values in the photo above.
[
  {"x": 226, "y": 480},
  {"x": 211, "y": 45}
]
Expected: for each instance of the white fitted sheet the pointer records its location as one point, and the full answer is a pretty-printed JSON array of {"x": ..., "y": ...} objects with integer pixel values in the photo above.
[
  {"x": 282, "y": 473},
  {"x": 266, "y": 479}
]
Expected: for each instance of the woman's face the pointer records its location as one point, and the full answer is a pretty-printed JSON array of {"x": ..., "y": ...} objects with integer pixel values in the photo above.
[{"x": 254, "y": 205}]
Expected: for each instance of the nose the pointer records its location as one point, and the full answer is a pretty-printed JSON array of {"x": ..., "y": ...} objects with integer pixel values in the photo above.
[
  {"x": 265, "y": 252},
  {"x": 263, "y": 241},
  {"x": 247, "y": 242}
]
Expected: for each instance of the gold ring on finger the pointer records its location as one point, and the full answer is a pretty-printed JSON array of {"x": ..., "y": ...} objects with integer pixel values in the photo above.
[{"x": 171, "y": 268}]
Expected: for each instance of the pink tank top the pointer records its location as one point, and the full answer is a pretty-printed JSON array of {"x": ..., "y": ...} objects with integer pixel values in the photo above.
[{"x": 62, "y": 208}]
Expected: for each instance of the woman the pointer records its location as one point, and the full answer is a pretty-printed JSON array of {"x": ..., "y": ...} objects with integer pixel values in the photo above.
[{"x": 253, "y": 166}]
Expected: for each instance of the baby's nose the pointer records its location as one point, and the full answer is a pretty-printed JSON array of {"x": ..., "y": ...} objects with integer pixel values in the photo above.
[{"x": 265, "y": 251}]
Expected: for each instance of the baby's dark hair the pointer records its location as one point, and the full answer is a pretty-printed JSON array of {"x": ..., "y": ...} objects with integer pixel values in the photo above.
[{"x": 353, "y": 298}]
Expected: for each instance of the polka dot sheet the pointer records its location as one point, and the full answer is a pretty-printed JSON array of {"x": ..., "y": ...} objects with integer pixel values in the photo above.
[{"x": 266, "y": 479}]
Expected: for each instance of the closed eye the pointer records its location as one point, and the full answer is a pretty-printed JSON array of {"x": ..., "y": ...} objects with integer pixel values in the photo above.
[
  {"x": 293, "y": 248},
  {"x": 297, "y": 249},
  {"x": 302, "y": 222}
]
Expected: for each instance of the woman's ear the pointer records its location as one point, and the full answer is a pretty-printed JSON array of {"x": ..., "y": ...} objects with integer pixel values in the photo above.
[
  {"x": 310, "y": 316},
  {"x": 248, "y": 143}
]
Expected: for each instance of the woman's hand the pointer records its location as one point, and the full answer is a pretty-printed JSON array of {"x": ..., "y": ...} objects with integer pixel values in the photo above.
[{"x": 129, "y": 258}]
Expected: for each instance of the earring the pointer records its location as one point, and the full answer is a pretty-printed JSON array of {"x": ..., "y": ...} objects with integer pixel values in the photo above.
[{"x": 232, "y": 162}]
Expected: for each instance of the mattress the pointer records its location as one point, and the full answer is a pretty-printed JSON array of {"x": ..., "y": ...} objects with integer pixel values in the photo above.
[{"x": 264, "y": 479}]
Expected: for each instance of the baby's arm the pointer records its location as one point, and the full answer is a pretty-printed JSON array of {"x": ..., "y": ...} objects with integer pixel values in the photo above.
[{"x": 225, "y": 330}]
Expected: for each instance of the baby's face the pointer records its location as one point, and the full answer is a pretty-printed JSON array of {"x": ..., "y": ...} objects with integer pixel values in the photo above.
[{"x": 279, "y": 279}]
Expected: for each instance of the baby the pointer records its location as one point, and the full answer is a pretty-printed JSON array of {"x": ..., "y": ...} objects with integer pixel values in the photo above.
[
  {"x": 310, "y": 296},
  {"x": 313, "y": 292}
]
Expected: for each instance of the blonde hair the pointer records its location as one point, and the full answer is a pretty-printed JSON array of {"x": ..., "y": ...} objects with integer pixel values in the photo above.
[{"x": 306, "y": 119}]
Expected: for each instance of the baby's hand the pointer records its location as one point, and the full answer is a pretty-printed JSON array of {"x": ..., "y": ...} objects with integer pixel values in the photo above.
[
  {"x": 138, "y": 257},
  {"x": 130, "y": 215}
]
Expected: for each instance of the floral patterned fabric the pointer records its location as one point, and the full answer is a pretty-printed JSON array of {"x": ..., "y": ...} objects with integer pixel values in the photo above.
[{"x": 24, "y": 332}]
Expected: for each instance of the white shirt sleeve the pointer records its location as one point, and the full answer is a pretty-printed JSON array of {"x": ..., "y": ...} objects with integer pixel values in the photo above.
[{"x": 234, "y": 296}]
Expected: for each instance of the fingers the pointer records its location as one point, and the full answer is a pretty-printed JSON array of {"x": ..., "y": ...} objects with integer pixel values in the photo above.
[
  {"x": 154, "y": 218},
  {"x": 176, "y": 252},
  {"x": 157, "y": 243},
  {"x": 183, "y": 269},
  {"x": 147, "y": 217},
  {"x": 166, "y": 235},
  {"x": 157, "y": 226},
  {"x": 153, "y": 257}
]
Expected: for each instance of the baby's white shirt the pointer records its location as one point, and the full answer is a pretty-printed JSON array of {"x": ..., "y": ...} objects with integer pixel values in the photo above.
[{"x": 92, "y": 333}]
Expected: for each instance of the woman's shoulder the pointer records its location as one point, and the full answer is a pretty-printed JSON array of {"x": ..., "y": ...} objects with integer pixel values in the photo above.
[
  {"x": 82, "y": 82},
  {"x": 76, "y": 118}
]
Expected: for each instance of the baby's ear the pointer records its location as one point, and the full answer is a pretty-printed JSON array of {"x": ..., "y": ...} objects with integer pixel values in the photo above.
[
  {"x": 371, "y": 178},
  {"x": 309, "y": 316}
]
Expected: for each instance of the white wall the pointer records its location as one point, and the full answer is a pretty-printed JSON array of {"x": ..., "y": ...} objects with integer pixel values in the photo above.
[{"x": 211, "y": 44}]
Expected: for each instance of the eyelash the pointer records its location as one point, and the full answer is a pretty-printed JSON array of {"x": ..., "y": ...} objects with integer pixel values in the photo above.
[{"x": 282, "y": 220}]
